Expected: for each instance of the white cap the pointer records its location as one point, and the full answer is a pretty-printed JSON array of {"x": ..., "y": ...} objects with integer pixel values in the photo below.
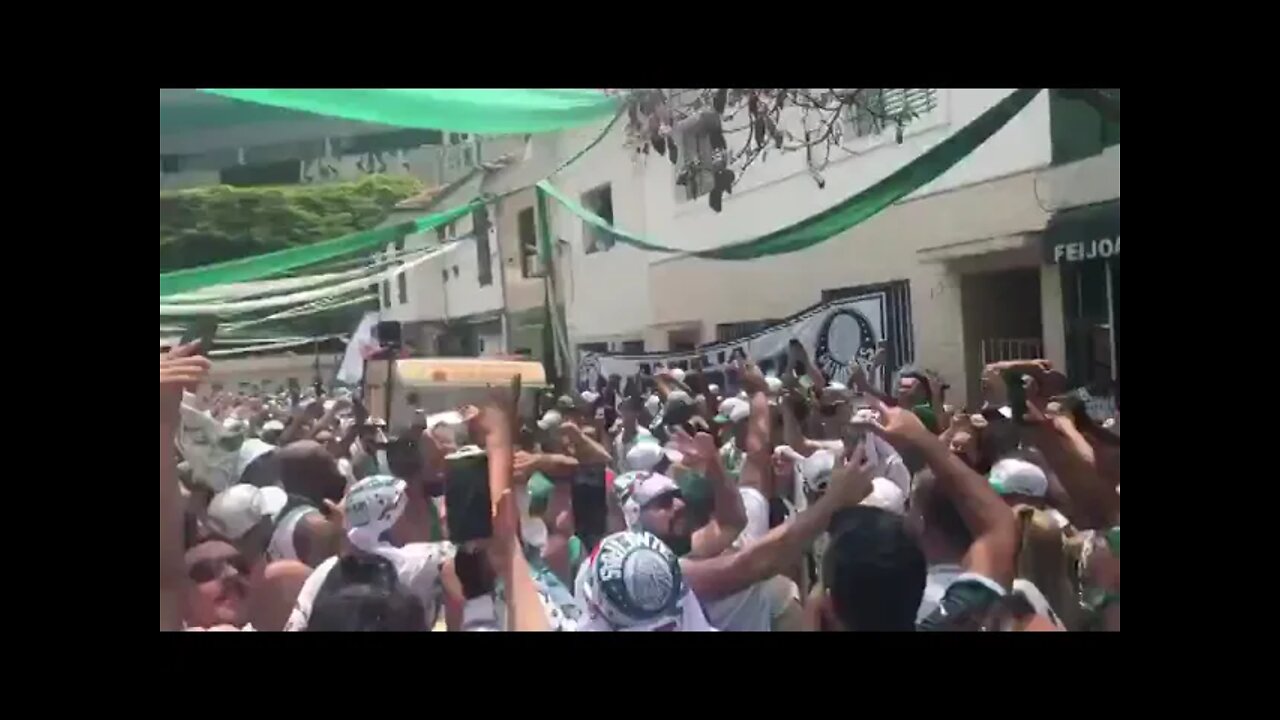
[
  {"x": 653, "y": 404},
  {"x": 236, "y": 510},
  {"x": 646, "y": 454},
  {"x": 251, "y": 449},
  {"x": 448, "y": 417},
  {"x": 551, "y": 420},
  {"x": 1012, "y": 476},
  {"x": 273, "y": 426},
  {"x": 886, "y": 494},
  {"x": 677, "y": 374},
  {"x": 774, "y": 383},
  {"x": 815, "y": 471},
  {"x": 590, "y": 397},
  {"x": 713, "y": 389},
  {"x": 733, "y": 410}
]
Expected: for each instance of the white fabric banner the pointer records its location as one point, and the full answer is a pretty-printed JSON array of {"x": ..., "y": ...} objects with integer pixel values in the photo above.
[
  {"x": 834, "y": 334},
  {"x": 352, "y": 370},
  {"x": 275, "y": 301}
]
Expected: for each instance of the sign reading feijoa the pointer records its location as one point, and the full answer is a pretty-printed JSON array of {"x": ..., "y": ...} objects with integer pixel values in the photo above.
[{"x": 1071, "y": 252}]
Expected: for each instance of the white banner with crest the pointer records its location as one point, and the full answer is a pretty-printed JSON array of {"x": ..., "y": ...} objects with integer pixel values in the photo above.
[{"x": 834, "y": 334}]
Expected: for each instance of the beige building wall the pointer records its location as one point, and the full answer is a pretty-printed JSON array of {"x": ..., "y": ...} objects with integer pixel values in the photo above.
[
  {"x": 522, "y": 293},
  {"x": 893, "y": 245},
  {"x": 271, "y": 372}
]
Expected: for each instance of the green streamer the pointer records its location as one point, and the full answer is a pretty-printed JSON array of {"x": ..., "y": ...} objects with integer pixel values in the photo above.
[
  {"x": 275, "y": 263},
  {"x": 846, "y": 214},
  {"x": 489, "y": 111}
]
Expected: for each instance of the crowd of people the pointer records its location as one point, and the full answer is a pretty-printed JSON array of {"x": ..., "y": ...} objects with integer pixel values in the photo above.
[{"x": 784, "y": 503}]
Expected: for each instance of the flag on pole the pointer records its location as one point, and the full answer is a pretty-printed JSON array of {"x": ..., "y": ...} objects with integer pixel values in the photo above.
[{"x": 361, "y": 346}]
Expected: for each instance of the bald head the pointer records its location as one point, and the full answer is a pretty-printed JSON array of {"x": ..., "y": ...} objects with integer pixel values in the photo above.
[{"x": 307, "y": 469}]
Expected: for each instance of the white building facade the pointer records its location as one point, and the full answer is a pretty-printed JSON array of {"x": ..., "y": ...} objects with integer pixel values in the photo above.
[
  {"x": 961, "y": 257},
  {"x": 979, "y": 217}
]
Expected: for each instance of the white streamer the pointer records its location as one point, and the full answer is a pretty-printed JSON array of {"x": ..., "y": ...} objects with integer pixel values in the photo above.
[{"x": 301, "y": 297}]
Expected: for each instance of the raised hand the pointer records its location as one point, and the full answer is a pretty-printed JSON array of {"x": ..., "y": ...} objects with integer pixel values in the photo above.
[
  {"x": 753, "y": 380},
  {"x": 180, "y": 369},
  {"x": 851, "y": 481},
  {"x": 524, "y": 464},
  {"x": 699, "y": 451},
  {"x": 857, "y": 376},
  {"x": 899, "y": 426}
]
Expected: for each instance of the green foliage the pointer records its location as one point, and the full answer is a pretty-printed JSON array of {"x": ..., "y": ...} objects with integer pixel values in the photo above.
[{"x": 213, "y": 224}]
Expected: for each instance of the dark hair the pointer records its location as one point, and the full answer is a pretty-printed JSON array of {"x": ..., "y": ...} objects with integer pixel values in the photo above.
[
  {"x": 998, "y": 440},
  {"x": 874, "y": 570},
  {"x": 939, "y": 513},
  {"x": 362, "y": 593},
  {"x": 404, "y": 458},
  {"x": 920, "y": 377}
]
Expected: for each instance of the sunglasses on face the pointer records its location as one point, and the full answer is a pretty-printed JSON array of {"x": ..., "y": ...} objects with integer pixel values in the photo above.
[{"x": 214, "y": 568}]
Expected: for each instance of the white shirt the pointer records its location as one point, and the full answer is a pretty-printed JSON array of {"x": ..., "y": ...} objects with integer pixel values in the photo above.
[
  {"x": 417, "y": 565},
  {"x": 621, "y": 448},
  {"x": 938, "y": 578},
  {"x": 750, "y": 610}
]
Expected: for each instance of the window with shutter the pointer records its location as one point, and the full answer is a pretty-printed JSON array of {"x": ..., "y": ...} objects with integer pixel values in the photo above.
[{"x": 876, "y": 107}]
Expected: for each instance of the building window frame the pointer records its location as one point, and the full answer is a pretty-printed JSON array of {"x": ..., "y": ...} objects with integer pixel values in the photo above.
[
  {"x": 599, "y": 200},
  {"x": 531, "y": 265}
]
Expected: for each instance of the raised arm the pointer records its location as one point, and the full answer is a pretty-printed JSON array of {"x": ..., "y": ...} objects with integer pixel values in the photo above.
[
  {"x": 791, "y": 431},
  {"x": 1094, "y": 500},
  {"x": 524, "y": 607},
  {"x": 729, "y": 517},
  {"x": 858, "y": 379},
  {"x": 722, "y": 576},
  {"x": 757, "y": 469},
  {"x": 797, "y": 352},
  {"x": 180, "y": 369},
  {"x": 296, "y": 428},
  {"x": 987, "y": 517},
  {"x": 330, "y": 418},
  {"x": 550, "y": 464},
  {"x": 587, "y": 450}
]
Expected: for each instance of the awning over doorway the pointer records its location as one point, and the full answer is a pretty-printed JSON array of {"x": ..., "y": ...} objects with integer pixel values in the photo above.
[{"x": 1083, "y": 233}]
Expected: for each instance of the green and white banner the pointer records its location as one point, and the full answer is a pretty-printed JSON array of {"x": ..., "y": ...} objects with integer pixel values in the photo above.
[{"x": 224, "y": 309}]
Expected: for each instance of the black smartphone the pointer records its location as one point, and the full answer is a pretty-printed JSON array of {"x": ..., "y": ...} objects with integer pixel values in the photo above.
[
  {"x": 589, "y": 511},
  {"x": 466, "y": 496},
  {"x": 203, "y": 329},
  {"x": 1017, "y": 394}
]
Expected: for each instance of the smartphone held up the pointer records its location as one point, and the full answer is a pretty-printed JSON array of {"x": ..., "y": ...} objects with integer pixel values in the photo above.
[{"x": 467, "y": 497}]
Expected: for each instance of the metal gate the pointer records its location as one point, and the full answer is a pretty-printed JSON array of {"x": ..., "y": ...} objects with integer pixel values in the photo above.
[{"x": 999, "y": 349}]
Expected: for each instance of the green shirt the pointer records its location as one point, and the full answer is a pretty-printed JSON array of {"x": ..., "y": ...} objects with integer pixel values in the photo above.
[{"x": 924, "y": 411}]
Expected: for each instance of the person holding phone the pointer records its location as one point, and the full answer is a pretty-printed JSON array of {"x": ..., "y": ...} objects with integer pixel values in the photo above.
[{"x": 367, "y": 513}]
